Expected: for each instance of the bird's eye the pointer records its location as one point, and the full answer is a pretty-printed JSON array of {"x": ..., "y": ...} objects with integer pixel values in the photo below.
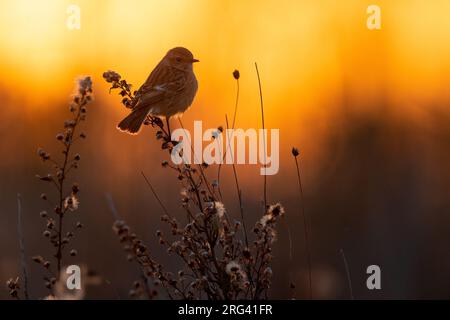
[{"x": 178, "y": 59}]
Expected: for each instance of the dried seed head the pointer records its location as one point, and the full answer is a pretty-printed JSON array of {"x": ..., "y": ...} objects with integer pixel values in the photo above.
[
  {"x": 71, "y": 203},
  {"x": 13, "y": 283},
  {"x": 295, "y": 152},
  {"x": 85, "y": 85},
  {"x": 50, "y": 224},
  {"x": 232, "y": 267},
  {"x": 38, "y": 259},
  {"x": 236, "y": 74},
  {"x": 47, "y": 178},
  {"x": 75, "y": 188},
  {"x": 276, "y": 210},
  {"x": 111, "y": 76}
]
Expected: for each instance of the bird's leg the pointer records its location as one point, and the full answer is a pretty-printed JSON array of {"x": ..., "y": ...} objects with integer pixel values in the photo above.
[{"x": 168, "y": 128}]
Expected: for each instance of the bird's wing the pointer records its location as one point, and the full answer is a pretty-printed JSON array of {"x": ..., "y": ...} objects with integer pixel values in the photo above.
[{"x": 163, "y": 83}]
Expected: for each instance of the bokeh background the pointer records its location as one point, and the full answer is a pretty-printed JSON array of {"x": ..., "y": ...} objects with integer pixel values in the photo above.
[{"x": 367, "y": 109}]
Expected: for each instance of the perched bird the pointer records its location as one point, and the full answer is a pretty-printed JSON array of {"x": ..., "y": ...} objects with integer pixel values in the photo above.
[{"x": 168, "y": 91}]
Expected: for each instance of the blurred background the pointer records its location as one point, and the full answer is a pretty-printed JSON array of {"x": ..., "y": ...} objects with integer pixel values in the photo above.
[{"x": 367, "y": 109}]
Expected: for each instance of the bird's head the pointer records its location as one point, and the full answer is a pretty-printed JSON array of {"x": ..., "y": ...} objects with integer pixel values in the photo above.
[{"x": 180, "y": 58}]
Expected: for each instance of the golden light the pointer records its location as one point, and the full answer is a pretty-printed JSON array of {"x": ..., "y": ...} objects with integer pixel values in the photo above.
[{"x": 308, "y": 51}]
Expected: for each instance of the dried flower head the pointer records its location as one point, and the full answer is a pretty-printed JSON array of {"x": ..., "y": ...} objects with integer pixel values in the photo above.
[
  {"x": 232, "y": 267},
  {"x": 84, "y": 85},
  {"x": 71, "y": 203},
  {"x": 13, "y": 287},
  {"x": 111, "y": 76},
  {"x": 276, "y": 210}
]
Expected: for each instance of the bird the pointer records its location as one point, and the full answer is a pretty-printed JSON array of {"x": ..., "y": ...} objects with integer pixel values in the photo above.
[{"x": 168, "y": 91}]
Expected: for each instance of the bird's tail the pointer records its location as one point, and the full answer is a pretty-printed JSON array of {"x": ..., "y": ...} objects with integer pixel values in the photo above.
[{"x": 133, "y": 122}]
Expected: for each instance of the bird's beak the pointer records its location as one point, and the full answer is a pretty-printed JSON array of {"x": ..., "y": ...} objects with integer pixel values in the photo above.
[{"x": 195, "y": 60}]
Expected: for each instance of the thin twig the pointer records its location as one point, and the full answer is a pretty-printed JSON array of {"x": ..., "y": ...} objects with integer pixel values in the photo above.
[
  {"x": 347, "y": 271},
  {"x": 112, "y": 207},
  {"x": 61, "y": 180},
  {"x": 290, "y": 259},
  {"x": 116, "y": 217},
  {"x": 291, "y": 246},
  {"x": 236, "y": 104},
  {"x": 239, "y": 192},
  {"x": 200, "y": 168},
  {"x": 22, "y": 246},
  {"x": 264, "y": 136},
  {"x": 305, "y": 226},
  {"x": 232, "y": 128},
  {"x": 156, "y": 195}
]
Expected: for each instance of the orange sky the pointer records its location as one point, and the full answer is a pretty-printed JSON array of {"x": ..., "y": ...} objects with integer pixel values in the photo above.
[{"x": 308, "y": 51}]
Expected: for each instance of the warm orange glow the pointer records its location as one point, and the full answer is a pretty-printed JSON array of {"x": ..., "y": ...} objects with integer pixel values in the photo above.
[
  {"x": 310, "y": 53},
  {"x": 304, "y": 48}
]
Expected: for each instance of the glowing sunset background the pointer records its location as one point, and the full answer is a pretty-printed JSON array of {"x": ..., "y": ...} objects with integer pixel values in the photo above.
[{"x": 367, "y": 109}]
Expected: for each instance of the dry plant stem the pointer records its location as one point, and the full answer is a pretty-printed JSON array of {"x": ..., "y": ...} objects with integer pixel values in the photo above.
[
  {"x": 236, "y": 104},
  {"x": 232, "y": 127},
  {"x": 305, "y": 226},
  {"x": 239, "y": 193},
  {"x": 347, "y": 272},
  {"x": 199, "y": 166},
  {"x": 290, "y": 242},
  {"x": 155, "y": 194},
  {"x": 61, "y": 180},
  {"x": 116, "y": 217},
  {"x": 22, "y": 247},
  {"x": 290, "y": 255},
  {"x": 264, "y": 136},
  {"x": 112, "y": 207},
  {"x": 168, "y": 128},
  {"x": 65, "y": 201}
]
